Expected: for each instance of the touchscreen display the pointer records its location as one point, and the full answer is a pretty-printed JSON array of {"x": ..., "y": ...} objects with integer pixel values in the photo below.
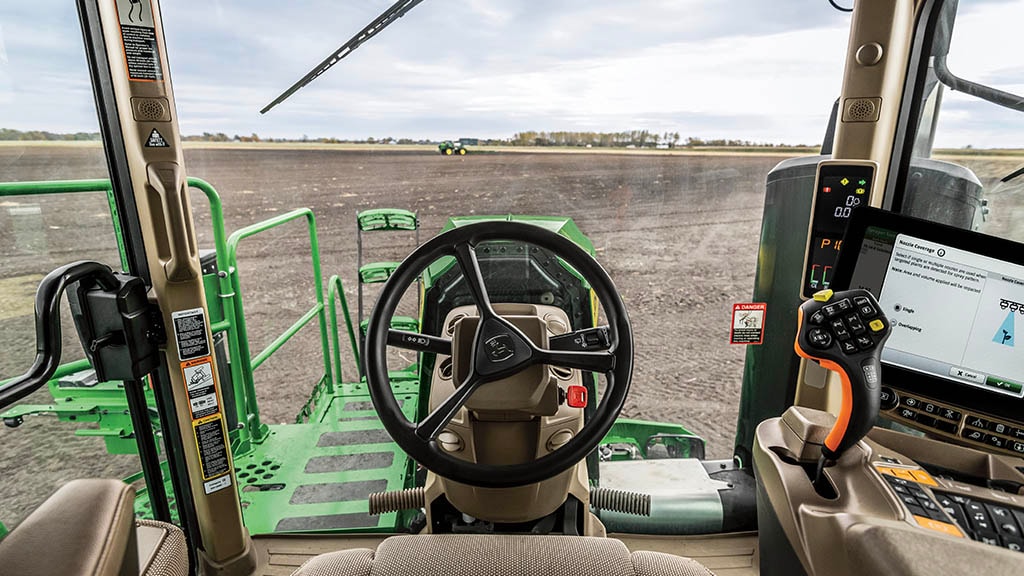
[{"x": 954, "y": 312}]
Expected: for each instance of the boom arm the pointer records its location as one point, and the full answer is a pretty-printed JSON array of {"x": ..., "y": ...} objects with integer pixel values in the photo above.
[{"x": 396, "y": 11}]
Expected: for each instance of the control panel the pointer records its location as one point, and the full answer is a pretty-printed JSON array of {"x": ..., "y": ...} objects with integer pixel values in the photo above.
[
  {"x": 973, "y": 428},
  {"x": 909, "y": 486}
]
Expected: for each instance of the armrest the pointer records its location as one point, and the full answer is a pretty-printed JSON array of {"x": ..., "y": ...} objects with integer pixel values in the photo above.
[{"x": 84, "y": 528}]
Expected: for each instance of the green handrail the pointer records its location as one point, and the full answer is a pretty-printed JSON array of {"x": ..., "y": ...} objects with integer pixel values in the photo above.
[
  {"x": 334, "y": 290},
  {"x": 256, "y": 429}
]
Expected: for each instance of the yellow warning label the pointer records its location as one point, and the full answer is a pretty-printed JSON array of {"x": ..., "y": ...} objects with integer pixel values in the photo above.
[
  {"x": 201, "y": 386},
  {"x": 210, "y": 442}
]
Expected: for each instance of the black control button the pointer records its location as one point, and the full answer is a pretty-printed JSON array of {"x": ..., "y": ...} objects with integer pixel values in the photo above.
[
  {"x": 909, "y": 499},
  {"x": 889, "y": 398},
  {"x": 1015, "y": 544},
  {"x": 999, "y": 428},
  {"x": 1016, "y": 446},
  {"x": 925, "y": 420},
  {"x": 937, "y": 515},
  {"x": 830, "y": 310},
  {"x": 917, "y": 510},
  {"x": 819, "y": 338},
  {"x": 848, "y": 347},
  {"x": 844, "y": 305},
  {"x": 906, "y": 413},
  {"x": 910, "y": 402},
  {"x": 978, "y": 517},
  {"x": 864, "y": 342},
  {"x": 977, "y": 422},
  {"x": 997, "y": 442},
  {"x": 856, "y": 326},
  {"x": 950, "y": 414},
  {"x": 901, "y": 489},
  {"x": 947, "y": 427},
  {"x": 818, "y": 318},
  {"x": 918, "y": 493},
  {"x": 989, "y": 538},
  {"x": 839, "y": 329},
  {"x": 929, "y": 505},
  {"x": 864, "y": 307},
  {"x": 930, "y": 408},
  {"x": 976, "y": 435},
  {"x": 1017, "y": 433}
]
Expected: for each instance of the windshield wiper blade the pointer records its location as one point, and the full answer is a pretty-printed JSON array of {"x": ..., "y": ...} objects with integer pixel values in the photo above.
[{"x": 396, "y": 11}]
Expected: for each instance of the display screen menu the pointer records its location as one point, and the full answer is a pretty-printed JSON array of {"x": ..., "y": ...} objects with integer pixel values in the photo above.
[
  {"x": 841, "y": 189},
  {"x": 954, "y": 312}
]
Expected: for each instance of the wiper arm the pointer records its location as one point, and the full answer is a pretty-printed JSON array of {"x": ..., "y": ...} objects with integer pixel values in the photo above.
[{"x": 396, "y": 11}]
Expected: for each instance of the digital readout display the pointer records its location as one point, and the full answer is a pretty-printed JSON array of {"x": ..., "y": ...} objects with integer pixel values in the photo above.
[{"x": 841, "y": 189}]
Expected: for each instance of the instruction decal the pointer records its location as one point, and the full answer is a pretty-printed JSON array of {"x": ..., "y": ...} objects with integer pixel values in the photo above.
[
  {"x": 201, "y": 386},
  {"x": 213, "y": 451},
  {"x": 221, "y": 483},
  {"x": 156, "y": 140},
  {"x": 748, "y": 323},
  {"x": 138, "y": 38},
  {"x": 190, "y": 333}
]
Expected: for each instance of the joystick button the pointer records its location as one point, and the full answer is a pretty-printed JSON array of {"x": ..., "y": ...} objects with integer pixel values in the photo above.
[{"x": 819, "y": 338}]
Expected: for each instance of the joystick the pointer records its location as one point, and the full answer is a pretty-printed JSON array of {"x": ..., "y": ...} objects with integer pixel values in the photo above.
[{"x": 844, "y": 332}]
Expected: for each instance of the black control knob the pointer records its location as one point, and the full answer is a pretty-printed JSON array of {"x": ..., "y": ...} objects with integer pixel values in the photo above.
[{"x": 889, "y": 398}]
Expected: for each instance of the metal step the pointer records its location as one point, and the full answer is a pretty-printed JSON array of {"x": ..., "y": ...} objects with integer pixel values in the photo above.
[
  {"x": 376, "y": 272},
  {"x": 387, "y": 219}
]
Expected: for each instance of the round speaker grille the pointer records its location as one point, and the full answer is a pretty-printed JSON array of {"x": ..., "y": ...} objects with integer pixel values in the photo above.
[
  {"x": 862, "y": 109},
  {"x": 150, "y": 109}
]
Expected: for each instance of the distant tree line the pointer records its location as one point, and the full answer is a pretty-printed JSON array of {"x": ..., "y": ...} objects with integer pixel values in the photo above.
[{"x": 624, "y": 139}]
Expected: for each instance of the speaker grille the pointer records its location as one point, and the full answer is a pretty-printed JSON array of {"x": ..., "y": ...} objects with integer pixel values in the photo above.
[
  {"x": 151, "y": 109},
  {"x": 861, "y": 109}
]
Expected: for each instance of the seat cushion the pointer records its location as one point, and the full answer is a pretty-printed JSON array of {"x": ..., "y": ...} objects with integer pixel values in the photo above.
[
  {"x": 162, "y": 549},
  {"x": 486, "y": 555}
]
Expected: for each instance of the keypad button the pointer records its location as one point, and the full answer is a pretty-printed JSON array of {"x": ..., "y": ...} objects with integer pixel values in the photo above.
[
  {"x": 999, "y": 428},
  {"x": 906, "y": 413},
  {"x": 848, "y": 347},
  {"x": 917, "y": 510},
  {"x": 929, "y": 505},
  {"x": 909, "y": 499},
  {"x": 930, "y": 408},
  {"x": 864, "y": 306},
  {"x": 856, "y": 326},
  {"x": 990, "y": 539},
  {"x": 844, "y": 305},
  {"x": 937, "y": 514},
  {"x": 910, "y": 402},
  {"x": 977, "y": 422},
  {"x": 819, "y": 338},
  {"x": 975, "y": 435},
  {"x": 924, "y": 420},
  {"x": 1016, "y": 446},
  {"x": 996, "y": 441},
  {"x": 864, "y": 342},
  {"x": 876, "y": 325},
  {"x": 830, "y": 311},
  {"x": 947, "y": 427},
  {"x": 818, "y": 318},
  {"x": 950, "y": 414},
  {"x": 889, "y": 398},
  {"x": 1017, "y": 433},
  {"x": 839, "y": 329},
  {"x": 1015, "y": 544}
]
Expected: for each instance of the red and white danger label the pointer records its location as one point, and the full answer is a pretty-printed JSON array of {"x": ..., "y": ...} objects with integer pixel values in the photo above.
[{"x": 748, "y": 323}]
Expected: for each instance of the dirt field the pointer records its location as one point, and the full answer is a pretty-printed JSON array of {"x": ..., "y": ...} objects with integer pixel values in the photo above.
[{"x": 678, "y": 234}]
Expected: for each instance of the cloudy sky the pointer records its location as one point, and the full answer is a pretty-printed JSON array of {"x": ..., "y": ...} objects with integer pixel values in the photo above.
[{"x": 750, "y": 69}]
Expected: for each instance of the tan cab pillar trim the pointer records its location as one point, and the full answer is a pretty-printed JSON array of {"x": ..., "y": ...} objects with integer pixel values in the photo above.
[{"x": 167, "y": 180}]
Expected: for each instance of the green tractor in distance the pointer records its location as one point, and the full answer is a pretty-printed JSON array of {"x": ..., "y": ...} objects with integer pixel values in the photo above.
[{"x": 449, "y": 148}]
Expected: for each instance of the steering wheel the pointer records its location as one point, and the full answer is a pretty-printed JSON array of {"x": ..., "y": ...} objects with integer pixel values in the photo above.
[{"x": 499, "y": 350}]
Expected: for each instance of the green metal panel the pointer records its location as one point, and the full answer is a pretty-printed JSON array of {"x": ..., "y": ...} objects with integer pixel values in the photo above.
[
  {"x": 387, "y": 219},
  {"x": 377, "y": 272}
]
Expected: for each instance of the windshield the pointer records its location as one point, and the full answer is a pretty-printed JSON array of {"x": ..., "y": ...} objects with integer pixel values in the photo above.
[{"x": 652, "y": 125}]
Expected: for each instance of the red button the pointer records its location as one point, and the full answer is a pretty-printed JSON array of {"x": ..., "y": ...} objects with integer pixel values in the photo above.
[{"x": 576, "y": 397}]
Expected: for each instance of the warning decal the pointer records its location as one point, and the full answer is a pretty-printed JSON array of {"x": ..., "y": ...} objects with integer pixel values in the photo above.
[
  {"x": 156, "y": 140},
  {"x": 748, "y": 323},
  {"x": 138, "y": 37},
  {"x": 190, "y": 333},
  {"x": 202, "y": 389},
  {"x": 213, "y": 452}
]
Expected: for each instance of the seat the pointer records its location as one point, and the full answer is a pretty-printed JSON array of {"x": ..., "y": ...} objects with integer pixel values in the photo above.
[
  {"x": 88, "y": 528},
  {"x": 505, "y": 555}
]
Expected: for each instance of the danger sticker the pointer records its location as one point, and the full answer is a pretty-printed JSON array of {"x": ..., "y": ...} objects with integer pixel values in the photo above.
[
  {"x": 748, "y": 323},
  {"x": 213, "y": 452},
  {"x": 202, "y": 387},
  {"x": 138, "y": 37},
  {"x": 190, "y": 333}
]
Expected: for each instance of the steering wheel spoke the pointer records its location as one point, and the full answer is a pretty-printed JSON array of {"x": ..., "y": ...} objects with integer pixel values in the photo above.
[
  {"x": 602, "y": 361},
  {"x": 432, "y": 425},
  {"x": 466, "y": 256},
  {"x": 419, "y": 342}
]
